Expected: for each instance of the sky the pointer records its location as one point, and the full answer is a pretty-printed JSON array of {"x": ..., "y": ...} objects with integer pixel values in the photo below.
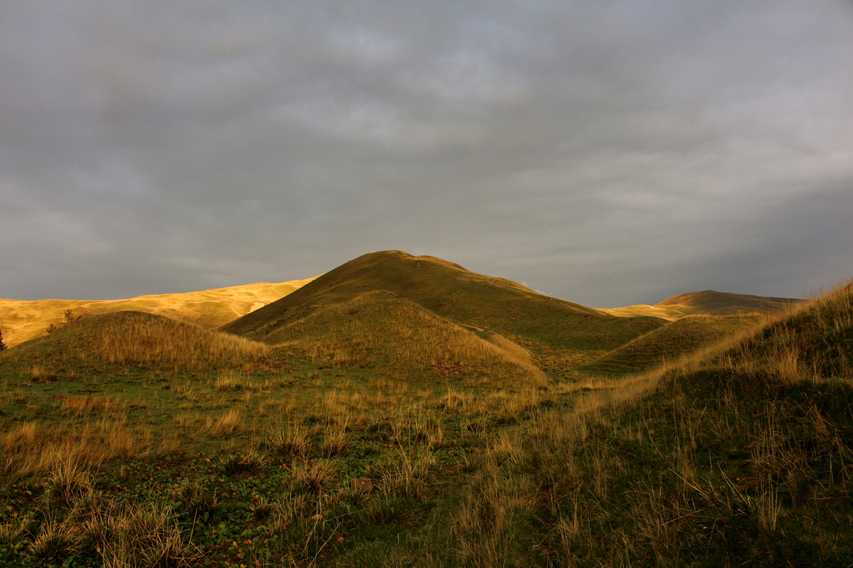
[{"x": 608, "y": 153}]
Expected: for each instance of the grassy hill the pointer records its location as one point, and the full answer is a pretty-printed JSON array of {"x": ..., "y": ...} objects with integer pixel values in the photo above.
[
  {"x": 707, "y": 303},
  {"x": 129, "y": 439},
  {"x": 738, "y": 457},
  {"x": 669, "y": 343},
  {"x": 482, "y": 304},
  {"x": 21, "y": 321},
  {"x": 130, "y": 339}
]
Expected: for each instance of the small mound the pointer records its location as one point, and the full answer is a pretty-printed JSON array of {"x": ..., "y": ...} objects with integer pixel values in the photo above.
[
  {"x": 136, "y": 338},
  {"x": 708, "y": 303},
  {"x": 403, "y": 340},
  {"x": 669, "y": 343}
]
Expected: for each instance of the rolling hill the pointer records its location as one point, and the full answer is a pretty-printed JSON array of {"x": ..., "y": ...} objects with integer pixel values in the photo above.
[
  {"x": 670, "y": 342},
  {"x": 21, "y": 320},
  {"x": 481, "y": 304},
  {"x": 706, "y": 303},
  {"x": 133, "y": 339}
]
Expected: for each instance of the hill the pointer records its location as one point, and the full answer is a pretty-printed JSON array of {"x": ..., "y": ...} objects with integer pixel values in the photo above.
[
  {"x": 21, "y": 320},
  {"x": 741, "y": 456},
  {"x": 130, "y": 340},
  {"x": 706, "y": 303},
  {"x": 670, "y": 343},
  {"x": 454, "y": 293},
  {"x": 129, "y": 438}
]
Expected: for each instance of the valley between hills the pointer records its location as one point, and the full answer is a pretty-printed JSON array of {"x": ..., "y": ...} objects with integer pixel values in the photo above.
[{"x": 400, "y": 410}]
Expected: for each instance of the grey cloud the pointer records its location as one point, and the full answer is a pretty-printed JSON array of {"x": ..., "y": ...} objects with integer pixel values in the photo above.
[{"x": 598, "y": 151}]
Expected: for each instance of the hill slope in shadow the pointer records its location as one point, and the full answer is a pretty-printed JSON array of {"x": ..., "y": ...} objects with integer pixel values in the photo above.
[{"x": 669, "y": 343}]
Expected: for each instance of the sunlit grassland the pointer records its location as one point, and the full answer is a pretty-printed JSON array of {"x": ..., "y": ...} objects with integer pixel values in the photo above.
[
  {"x": 21, "y": 320},
  {"x": 400, "y": 438}
]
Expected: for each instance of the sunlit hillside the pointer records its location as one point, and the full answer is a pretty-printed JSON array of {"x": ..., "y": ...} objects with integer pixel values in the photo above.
[
  {"x": 707, "y": 303},
  {"x": 116, "y": 340},
  {"x": 564, "y": 333},
  {"x": 20, "y": 320},
  {"x": 392, "y": 337}
]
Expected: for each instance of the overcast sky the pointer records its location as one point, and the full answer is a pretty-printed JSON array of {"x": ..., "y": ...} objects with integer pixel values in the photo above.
[{"x": 605, "y": 152}]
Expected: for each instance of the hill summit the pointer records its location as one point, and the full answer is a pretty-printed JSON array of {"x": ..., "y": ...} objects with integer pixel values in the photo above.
[{"x": 367, "y": 300}]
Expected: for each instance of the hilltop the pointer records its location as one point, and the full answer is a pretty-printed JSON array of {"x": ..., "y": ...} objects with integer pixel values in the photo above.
[
  {"x": 23, "y": 320},
  {"x": 484, "y": 306},
  {"x": 475, "y": 300},
  {"x": 706, "y": 303}
]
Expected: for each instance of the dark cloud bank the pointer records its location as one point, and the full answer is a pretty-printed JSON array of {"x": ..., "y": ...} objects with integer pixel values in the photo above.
[{"x": 608, "y": 153}]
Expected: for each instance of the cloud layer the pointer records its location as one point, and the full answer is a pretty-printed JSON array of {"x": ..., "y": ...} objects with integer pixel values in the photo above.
[{"x": 606, "y": 153}]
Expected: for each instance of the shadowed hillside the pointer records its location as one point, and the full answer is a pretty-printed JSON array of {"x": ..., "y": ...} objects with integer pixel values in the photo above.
[
  {"x": 707, "y": 303},
  {"x": 20, "y": 320},
  {"x": 481, "y": 303},
  {"x": 738, "y": 457}
]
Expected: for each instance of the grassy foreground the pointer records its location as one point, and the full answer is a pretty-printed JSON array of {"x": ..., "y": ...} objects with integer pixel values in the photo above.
[{"x": 134, "y": 440}]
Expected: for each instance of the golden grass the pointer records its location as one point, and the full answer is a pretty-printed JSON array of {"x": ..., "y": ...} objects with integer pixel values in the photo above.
[
  {"x": 231, "y": 422},
  {"x": 406, "y": 340},
  {"x": 84, "y": 405},
  {"x": 23, "y": 320},
  {"x": 137, "y": 339},
  {"x": 164, "y": 342},
  {"x": 30, "y": 448}
]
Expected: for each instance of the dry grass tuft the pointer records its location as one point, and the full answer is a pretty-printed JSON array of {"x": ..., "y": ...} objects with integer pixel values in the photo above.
[
  {"x": 229, "y": 423},
  {"x": 289, "y": 439},
  {"x": 30, "y": 448},
  {"x": 231, "y": 380},
  {"x": 315, "y": 477}
]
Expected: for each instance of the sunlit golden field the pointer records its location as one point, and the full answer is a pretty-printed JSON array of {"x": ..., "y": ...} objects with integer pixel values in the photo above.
[{"x": 20, "y": 320}]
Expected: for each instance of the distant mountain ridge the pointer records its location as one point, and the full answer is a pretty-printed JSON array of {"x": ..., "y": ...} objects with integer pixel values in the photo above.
[{"x": 707, "y": 303}]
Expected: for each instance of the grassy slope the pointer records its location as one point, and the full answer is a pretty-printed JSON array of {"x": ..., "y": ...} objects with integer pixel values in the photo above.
[
  {"x": 21, "y": 321},
  {"x": 399, "y": 339},
  {"x": 669, "y": 343},
  {"x": 743, "y": 458},
  {"x": 483, "y": 303},
  {"x": 708, "y": 303},
  {"x": 131, "y": 339}
]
